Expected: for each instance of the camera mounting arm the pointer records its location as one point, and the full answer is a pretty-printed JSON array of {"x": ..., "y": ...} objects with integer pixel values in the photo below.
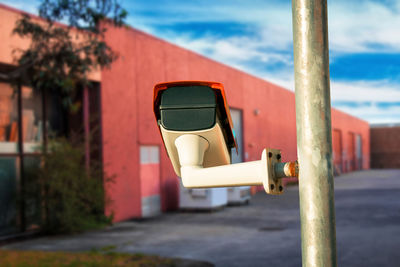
[{"x": 267, "y": 172}]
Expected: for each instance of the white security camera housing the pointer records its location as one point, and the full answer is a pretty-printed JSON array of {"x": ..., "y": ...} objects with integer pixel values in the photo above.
[
  {"x": 195, "y": 108},
  {"x": 197, "y": 130}
]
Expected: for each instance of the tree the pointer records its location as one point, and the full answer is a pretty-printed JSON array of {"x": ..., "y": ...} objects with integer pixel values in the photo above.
[{"x": 60, "y": 57}]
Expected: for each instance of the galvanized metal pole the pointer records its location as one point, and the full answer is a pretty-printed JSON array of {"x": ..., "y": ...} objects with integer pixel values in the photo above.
[{"x": 314, "y": 140}]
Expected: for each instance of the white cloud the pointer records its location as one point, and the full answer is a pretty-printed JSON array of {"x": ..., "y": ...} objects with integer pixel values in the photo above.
[
  {"x": 370, "y": 92},
  {"x": 231, "y": 50},
  {"x": 354, "y": 27},
  {"x": 365, "y": 91},
  {"x": 374, "y": 114}
]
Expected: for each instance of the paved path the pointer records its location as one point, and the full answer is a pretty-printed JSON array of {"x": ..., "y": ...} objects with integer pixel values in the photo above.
[{"x": 265, "y": 233}]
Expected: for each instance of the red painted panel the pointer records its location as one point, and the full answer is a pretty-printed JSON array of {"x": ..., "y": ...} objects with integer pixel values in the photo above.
[
  {"x": 150, "y": 179},
  {"x": 337, "y": 150},
  {"x": 176, "y": 63},
  {"x": 150, "y": 62},
  {"x": 351, "y": 152},
  {"x": 119, "y": 126}
]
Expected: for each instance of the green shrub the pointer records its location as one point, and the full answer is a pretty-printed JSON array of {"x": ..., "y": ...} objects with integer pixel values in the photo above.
[{"x": 72, "y": 194}]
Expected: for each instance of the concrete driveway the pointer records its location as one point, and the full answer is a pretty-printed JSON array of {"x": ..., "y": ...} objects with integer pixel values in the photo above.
[{"x": 264, "y": 233}]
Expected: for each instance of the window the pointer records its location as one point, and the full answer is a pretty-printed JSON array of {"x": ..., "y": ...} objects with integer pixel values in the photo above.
[
  {"x": 32, "y": 120},
  {"x": 8, "y": 119}
]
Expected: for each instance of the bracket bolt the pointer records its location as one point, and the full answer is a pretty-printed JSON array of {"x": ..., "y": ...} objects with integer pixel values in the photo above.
[{"x": 272, "y": 187}]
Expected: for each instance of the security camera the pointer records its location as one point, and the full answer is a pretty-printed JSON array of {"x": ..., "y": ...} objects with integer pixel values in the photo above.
[
  {"x": 195, "y": 124},
  {"x": 195, "y": 108}
]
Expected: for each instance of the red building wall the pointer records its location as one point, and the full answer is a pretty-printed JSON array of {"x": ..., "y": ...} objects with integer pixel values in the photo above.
[{"x": 128, "y": 120}]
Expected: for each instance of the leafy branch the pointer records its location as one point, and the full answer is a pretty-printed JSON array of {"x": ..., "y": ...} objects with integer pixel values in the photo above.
[{"x": 61, "y": 57}]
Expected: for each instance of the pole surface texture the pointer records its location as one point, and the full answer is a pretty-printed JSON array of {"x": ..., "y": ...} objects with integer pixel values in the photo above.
[{"x": 314, "y": 137}]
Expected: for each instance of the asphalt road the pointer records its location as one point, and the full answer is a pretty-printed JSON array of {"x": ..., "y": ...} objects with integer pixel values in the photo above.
[{"x": 264, "y": 233}]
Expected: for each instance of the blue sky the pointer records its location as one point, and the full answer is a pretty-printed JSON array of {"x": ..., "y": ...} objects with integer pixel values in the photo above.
[{"x": 256, "y": 37}]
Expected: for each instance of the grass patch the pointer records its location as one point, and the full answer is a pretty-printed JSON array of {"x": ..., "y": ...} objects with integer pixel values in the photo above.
[{"x": 13, "y": 258}]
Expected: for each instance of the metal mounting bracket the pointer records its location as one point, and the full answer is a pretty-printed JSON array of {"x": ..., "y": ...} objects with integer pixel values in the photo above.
[{"x": 272, "y": 184}]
